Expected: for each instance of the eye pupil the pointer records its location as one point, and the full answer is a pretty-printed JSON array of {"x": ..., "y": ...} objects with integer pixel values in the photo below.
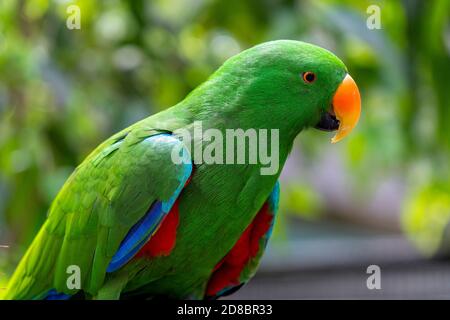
[{"x": 309, "y": 77}]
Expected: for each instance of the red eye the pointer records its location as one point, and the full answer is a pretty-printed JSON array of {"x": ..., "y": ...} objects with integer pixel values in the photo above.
[{"x": 309, "y": 77}]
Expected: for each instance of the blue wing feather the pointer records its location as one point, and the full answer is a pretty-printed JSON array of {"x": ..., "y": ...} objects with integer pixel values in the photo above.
[
  {"x": 54, "y": 295},
  {"x": 140, "y": 233},
  {"x": 137, "y": 236}
]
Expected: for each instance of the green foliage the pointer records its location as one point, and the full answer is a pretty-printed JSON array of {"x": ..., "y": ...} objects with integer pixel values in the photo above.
[{"x": 427, "y": 217}]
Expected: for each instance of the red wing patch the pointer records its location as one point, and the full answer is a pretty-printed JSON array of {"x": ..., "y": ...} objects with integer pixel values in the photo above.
[
  {"x": 163, "y": 241},
  {"x": 227, "y": 272}
]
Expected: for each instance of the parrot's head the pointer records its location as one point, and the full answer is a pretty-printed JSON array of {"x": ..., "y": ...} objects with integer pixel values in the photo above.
[{"x": 292, "y": 85}]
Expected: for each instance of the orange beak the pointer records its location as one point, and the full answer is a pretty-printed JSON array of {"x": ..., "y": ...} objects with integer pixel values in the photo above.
[{"x": 346, "y": 107}]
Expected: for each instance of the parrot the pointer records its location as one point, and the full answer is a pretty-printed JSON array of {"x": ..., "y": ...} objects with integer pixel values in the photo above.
[{"x": 132, "y": 223}]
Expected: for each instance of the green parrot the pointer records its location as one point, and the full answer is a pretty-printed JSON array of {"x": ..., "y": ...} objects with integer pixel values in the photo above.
[{"x": 133, "y": 221}]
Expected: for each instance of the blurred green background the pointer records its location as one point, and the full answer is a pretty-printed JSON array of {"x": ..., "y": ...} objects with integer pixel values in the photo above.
[{"x": 64, "y": 91}]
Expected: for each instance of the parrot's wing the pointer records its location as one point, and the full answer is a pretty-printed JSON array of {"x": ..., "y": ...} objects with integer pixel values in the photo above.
[
  {"x": 107, "y": 209},
  {"x": 241, "y": 263}
]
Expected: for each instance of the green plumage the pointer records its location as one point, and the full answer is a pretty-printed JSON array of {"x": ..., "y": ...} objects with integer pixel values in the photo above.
[{"x": 112, "y": 189}]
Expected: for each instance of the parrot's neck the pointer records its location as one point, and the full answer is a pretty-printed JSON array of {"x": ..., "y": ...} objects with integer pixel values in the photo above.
[{"x": 228, "y": 140}]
